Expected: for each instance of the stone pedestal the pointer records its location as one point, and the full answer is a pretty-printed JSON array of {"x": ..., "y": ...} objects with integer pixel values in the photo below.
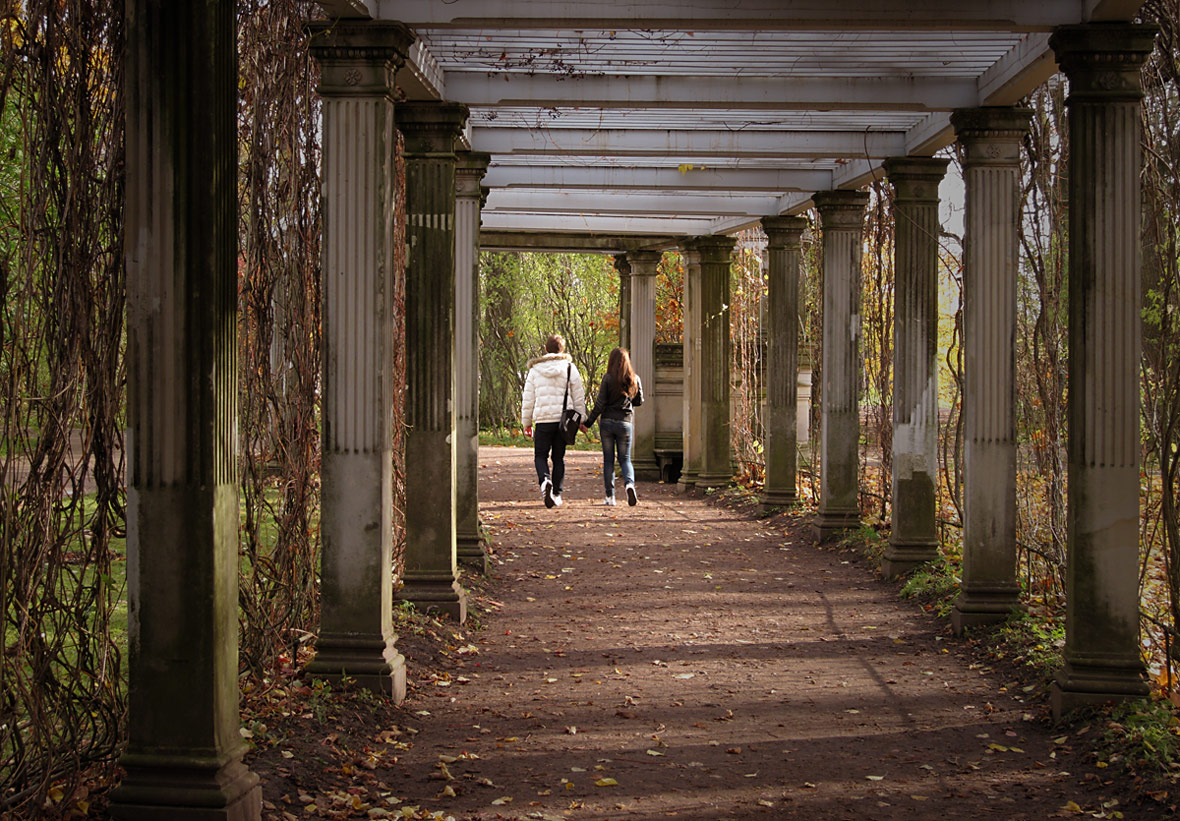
[
  {"x": 782, "y": 358},
  {"x": 644, "y": 266},
  {"x": 913, "y": 539},
  {"x": 1102, "y": 653},
  {"x": 990, "y": 138},
  {"x": 184, "y": 754},
  {"x": 716, "y": 469},
  {"x": 357, "y": 63},
  {"x": 691, "y": 313},
  {"x": 623, "y": 266},
  {"x": 431, "y": 579},
  {"x": 841, "y": 217},
  {"x": 469, "y": 543}
]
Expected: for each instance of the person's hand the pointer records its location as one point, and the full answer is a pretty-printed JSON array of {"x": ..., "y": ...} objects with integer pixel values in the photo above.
[
  {"x": 583, "y": 429},
  {"x": 529, "y": 431}
]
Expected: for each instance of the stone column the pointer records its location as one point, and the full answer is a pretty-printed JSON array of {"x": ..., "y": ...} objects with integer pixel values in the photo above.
[
  {"x": 357, "y": 63},
  {"x": 431, "y": 579},
  {"x": 841, "y": 216},
  {"x": 184, "y": 754},
  {"x": 644, "y": 266},
  {"x": 716, "y": 468},
  {"x": 913, "y": 539},
  {"x": 691, "y": 308},
  {"x": 1102, "y": 658},
  {"x": 469, "y": 538},
  {"x": 782, "y": 357},
  {"x": 623, "y": 266},
  {"x": 990, "y": 138}
]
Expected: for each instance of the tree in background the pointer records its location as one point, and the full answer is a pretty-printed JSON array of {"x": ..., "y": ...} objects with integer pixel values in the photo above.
[{"x": 525, "y": 297}]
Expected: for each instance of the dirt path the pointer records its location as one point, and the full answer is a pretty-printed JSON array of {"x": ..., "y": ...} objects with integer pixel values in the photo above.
[{"x": 677, "y": 659}]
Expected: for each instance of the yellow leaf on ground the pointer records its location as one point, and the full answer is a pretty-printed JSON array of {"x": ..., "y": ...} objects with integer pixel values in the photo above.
[{"x": 606, "y": 782}]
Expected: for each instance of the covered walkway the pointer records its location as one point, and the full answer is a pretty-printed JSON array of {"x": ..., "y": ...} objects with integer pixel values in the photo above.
[{"x": 714, "y": 665}]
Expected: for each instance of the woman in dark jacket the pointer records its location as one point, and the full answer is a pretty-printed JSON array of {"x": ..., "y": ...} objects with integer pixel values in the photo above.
[{"x": 619, "y": 392}]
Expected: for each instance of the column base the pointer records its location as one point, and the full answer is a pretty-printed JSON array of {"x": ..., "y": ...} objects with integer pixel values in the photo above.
[
  {"x": 778, "y": 498},
  {"x": 978, "y": 605},
  {"x": 831, "y": 524},
  {"x": 646, "y": 471},
  {"x": 443, "y": 595},
  {"x": 186, "y": 789},
  {"x": 470, "y": 550},
  {"x": 901, "y": 558},
  {"x": 1086, "y": 685},
  {"x": 713, "y": 481},
  {"x": 373, "y": 663},
  {"x": 687, "y": 481}
]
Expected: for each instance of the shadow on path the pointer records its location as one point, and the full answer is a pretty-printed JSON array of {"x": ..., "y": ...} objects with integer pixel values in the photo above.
[{"x": 677, "y": 659}]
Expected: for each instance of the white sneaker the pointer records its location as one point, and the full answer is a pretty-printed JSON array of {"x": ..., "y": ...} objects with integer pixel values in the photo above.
[
  {"x": 557, "y": 500},
  {"x": 547, "y": 492},
  {"x": 608, "y": 500},
  {"x": 632, "y": 496}
]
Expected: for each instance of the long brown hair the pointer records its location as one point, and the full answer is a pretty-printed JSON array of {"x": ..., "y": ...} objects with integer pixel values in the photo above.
[{"x": 618, "y": 367}]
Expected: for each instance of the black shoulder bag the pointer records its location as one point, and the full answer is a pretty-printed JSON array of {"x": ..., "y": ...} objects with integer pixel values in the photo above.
[{"x": 570, "y": 418}]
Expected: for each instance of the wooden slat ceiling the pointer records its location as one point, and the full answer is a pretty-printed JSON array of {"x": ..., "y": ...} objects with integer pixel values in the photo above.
[{"x": 702, "y": 116}]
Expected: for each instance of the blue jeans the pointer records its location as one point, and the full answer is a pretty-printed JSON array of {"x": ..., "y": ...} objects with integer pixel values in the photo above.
[
  {"x": 615, "y": 435},
  {"x": 547, "y": 438}
]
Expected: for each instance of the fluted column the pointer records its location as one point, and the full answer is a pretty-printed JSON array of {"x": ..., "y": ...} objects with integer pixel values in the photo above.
[
  {"x": 1102, "y": 653},
  {"x": 784, "y": 249},
  {"x": 644, "y": 266},
  {"x": 691, "y": 420},
  {"x": 623, "y": 266},
  {"x": 841, "y": 217},
  {"x": 990, "y": 138},
  {"x": 716, "y": 468},
  {"x": 357, "y": 63},
  {"x": 184, "y": 755},
  {"x": 913, "y": 539},
  {"x": 431, "y": 578},
  {"x": 468, "y": 536}
]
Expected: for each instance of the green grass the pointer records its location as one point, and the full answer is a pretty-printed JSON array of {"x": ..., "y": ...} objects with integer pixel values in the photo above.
[
  {"x": 515, "y": 438},
  {"x": 1145, "y": 733},
  {"x": 1035, "y": 641},
  {"x": 936, "y": 584}
]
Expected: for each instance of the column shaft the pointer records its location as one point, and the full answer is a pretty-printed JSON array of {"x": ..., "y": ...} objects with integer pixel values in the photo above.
[
  {"x": 469, "y": 537},
  {"x": 184, "y": 754},
  {"x": 991, "y": 168},
  {"x": 913, "y": 539},
  {"x": 358, "y": 61},
  {"x": 782, "y": 357},
  {"x": 1102, "y": 654},
  {"x": 644, "y": 265},
  {"x": 691, "y": 306},
  {"x": 841, "y": 215},
  {"x": 431, "y": 576},
  {"x": 716, "y": 469},
  {"x": 623, "y": 266}
]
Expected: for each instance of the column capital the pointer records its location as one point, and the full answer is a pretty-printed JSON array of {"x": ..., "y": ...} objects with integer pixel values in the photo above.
[
  {"x": 430, "y": 127},
  {"x": 915, "y": 178},
  {"x": 1102, "y": 60},
  {"x": 358, "y": 58},
  {"x": 470, "y": 167},
  {"x": 784, "y": 232},
  {"x": 714, "y": 248},
  {"x": 622, "y": 265},
  {"x": 991, "y": 136},
  {"x": 644, "y": 263},
  {"x": 841, "y": 209}
]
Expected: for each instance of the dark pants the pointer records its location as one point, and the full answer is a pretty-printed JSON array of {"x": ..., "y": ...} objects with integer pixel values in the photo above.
[{"x": 547, "y": 439}]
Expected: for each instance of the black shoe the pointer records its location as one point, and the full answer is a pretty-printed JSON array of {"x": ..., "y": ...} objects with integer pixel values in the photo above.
[
  {"x": 632, "y": 497},
  {"x": 547, "y": 492}
]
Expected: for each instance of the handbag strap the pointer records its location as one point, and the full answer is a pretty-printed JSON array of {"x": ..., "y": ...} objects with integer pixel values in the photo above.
[{"x": 565, "y": 397}]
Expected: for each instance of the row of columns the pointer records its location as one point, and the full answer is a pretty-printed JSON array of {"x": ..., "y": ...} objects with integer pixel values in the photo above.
[
  {"x": 184, "y": 752},
  {"x": 1101, "y": 654}
]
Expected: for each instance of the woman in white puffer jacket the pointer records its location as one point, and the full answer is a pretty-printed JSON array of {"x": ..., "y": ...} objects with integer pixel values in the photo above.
[{"x": 540, "y": 412}]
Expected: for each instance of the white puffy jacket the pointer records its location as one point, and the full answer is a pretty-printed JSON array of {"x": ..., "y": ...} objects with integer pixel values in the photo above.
[{"x": 544, "y": 388}]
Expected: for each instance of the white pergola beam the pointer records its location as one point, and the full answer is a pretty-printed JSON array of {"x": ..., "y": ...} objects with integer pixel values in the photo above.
[
  {"x": 596, "y": 224},
  {"x": 734, "y": 180},
  {"x": 653, "y": 143},
  {"x": 669, "y": 203},
  {"x": 885, "y": 15},
  {"x": 754, "y": 93}
]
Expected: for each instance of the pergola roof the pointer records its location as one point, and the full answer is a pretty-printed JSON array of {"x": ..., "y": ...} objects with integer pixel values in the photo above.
[{"x": 691, "y": 117}]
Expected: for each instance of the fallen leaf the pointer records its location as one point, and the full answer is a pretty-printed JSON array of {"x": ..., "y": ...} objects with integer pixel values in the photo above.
[
  {"x": 606, "y": 782},
  {"x": 502, "y": 800}
]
